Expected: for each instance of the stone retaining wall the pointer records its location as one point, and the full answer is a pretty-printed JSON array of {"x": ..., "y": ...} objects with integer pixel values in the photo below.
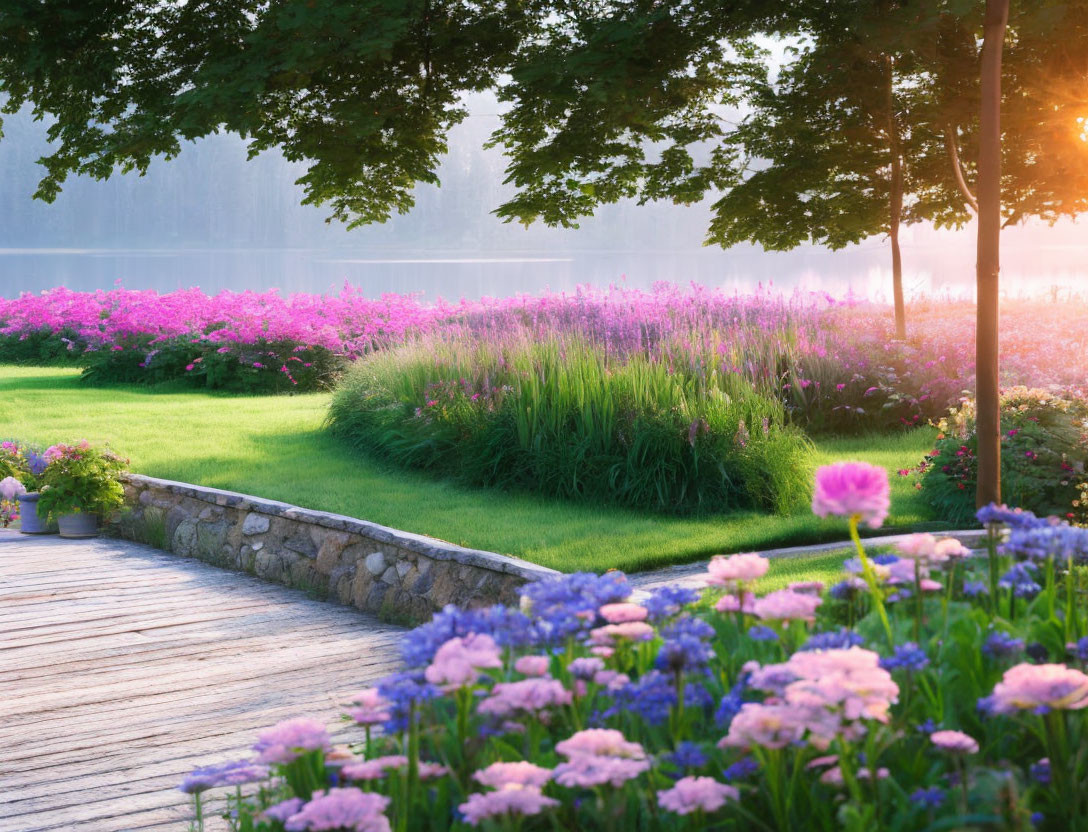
[{"x": 399, "y": 575}]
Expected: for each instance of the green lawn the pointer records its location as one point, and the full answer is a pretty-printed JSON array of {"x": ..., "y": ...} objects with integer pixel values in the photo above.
[{"x": 275, "y": 447}]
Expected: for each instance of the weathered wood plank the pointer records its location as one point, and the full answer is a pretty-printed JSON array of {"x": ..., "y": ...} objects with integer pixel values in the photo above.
[{"x": 122, "y": 668}]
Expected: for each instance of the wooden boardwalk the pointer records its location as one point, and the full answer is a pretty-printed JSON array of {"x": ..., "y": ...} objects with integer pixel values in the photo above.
[{"x": 122, "y": 668}]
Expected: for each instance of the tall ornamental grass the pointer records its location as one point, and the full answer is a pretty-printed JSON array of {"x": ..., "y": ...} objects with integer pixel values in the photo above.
[{"x": 568, "y": 418}]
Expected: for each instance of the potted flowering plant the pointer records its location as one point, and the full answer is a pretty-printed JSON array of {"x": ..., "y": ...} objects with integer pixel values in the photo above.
[
  {"x": 79, "y": 484},
  {"x": 21, "y": 466}
]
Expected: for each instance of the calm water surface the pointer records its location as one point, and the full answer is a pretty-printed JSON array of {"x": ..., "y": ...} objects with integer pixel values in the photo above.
[{"x": 943, "y": 267}]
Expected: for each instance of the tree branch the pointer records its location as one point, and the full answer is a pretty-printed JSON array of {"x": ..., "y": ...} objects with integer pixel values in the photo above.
[{"x": 957, "y": 168}]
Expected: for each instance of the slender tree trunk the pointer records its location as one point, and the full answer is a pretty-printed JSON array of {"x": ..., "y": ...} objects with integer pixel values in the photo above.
[
  {"x": 988, "y": 415},
  {"x": 895, "y": 205}
]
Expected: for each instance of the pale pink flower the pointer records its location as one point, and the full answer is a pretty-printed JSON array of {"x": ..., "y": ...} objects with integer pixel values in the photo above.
[
  {"x": 724, "y": 571},
  {"x": 370, "y": 708},
  {"x": 528, "y": 696},
  {"x": 768, "y": 726},
  {"x": 586, "y": 771},
  {"x": 951, "y": 549},
  {"x": 432, "y": 771},
  {"x": 729, "y": 603},
  {"x": 10, "y": 488},
  {"x": 954, "y": 741},
  {"x": 929, "y": 585},
  {"x": 606, "y": 742},
  {"x": 833, "y": 776},
  {"x": 904, "y": 571},
  {"x": 696, "y": 794},
  {"x": 459, "y": 661},
  {"x": 807, "y": 587},
  {"x": 510, "y": 801},
  {"x": 586, "y": 667},
  {"x": 1032, "y": 686},
  {"x": 786, "y": 605},
  {"x": 918, "y": 547},
  {"x": 611, "y": 679},
  {"x": 852, "y": 489},
  {"x": 532, "y": 665},
  {"x": 375, "y": 769},
  {"x": 285, "y": 741},
  {"x": 501, "y": 775},
  {"x": 344, "y": 810},
  {"x": 623, "y": 612},
  {"x": 631, "y": 631},
  {"x": 602, "y": 652}
]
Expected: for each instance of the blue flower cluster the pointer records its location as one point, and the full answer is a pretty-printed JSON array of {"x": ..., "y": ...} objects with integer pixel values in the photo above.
[
  {"x": 1002, "y": 515},
  {"x": 509, "y": 628},
  {"x": 841, "y": 639},
  {"x": 1043, "y": 541},
  {"x": 688, "y": 755},
  {"x": 973, "y": 589},
  {"x": 730, "y": 705},
  {"x": 685, "y": 648},
  {"x": 743, "y": 768},
  {"x": 235, "y": 773},
  {"x": 930, "y": 798},
  {"x": 404, "y": 691},
  {"x": 907, "y": 656},
  {"x": 667, "y": 601},
  {"x": 1079, "y": 649},
  {"x": 1002, "y": 645},
  {"x": 652, "y": 696},
  {"x": 847, "y": 589},
  {"x": 761, "y": 632},
  {"x": 568, "y": 604},
  {"x": 1020, "y": 580}
]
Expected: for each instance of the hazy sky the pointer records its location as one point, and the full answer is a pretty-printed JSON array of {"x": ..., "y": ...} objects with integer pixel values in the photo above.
[{"x": 211, "y": 218}]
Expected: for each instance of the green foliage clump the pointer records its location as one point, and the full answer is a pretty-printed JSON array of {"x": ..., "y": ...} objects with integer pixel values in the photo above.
[
  {"x": 261, "y": 367},
  {"x": 1044, "y": 448},
  {"x": 563, "y": 418},
  {"x": 81, "y": 479}
]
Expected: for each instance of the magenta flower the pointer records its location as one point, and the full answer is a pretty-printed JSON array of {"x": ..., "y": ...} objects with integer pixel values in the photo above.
[
  {"x": 853, "y": 490},
  {"x": 696, "y": 794}
]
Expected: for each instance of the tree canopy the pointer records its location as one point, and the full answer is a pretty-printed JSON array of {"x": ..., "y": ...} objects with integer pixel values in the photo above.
[{"x": 363, "y": 92}]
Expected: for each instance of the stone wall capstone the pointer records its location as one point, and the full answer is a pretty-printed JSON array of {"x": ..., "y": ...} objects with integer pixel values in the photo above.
[{"x": 395, "y": 574}]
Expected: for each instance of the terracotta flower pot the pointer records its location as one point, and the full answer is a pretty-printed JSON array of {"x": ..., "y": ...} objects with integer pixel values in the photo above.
[{"x": 78, "y": 526}]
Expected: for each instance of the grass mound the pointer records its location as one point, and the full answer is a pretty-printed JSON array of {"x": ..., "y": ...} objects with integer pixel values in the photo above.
[{"x": 565, "y": 419}]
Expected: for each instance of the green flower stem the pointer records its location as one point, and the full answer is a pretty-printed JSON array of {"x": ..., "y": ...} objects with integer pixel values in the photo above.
[
  {"x": 919, "y": 610},
  {"x": 870, "y": 579},
  {"x": 1072, "y": 617},
  {"x": 991, "y": 550}
]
